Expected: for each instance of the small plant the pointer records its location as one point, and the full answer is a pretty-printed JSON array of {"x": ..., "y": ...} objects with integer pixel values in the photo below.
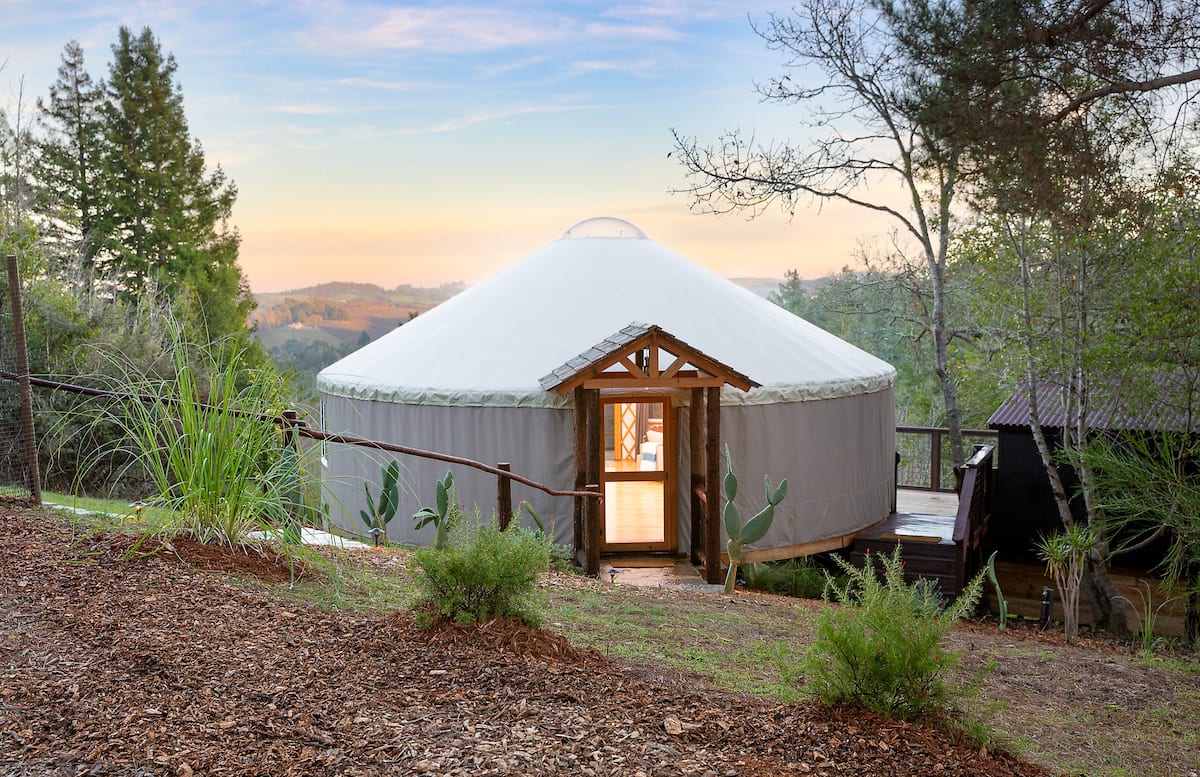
[
  {"x": 882, "y": 648},
  {"x": 1001, "y": 602},
  {"x": 443, "y": 514},
  {"x": 800, "y": 577},
  {"x": 1148, "y": 616},
  {"x": 484, "y": 573},
  {"x": 1065, "y": 554},
  {"x": 562, "y": 558},
  {"x": 378, "y": 515},
  {"x": 755, "y": 528}
]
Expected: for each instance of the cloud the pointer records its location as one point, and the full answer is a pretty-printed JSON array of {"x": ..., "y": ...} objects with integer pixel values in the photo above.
[
  {"x": 390, "y": 86},
  {"x": 689, "y": 10},
  {"x": 633, "y": 32},
  {"x": 491, "y": 71},
  {"x": 451, "y": 30},
  {"x": 481, "y": 117},
  {"x": 635, "y": 67},
  {"x": 473, "y": 29},
  {"x": 303, "y": 110}
]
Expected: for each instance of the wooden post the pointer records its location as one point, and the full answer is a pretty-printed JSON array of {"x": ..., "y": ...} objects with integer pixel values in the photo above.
[
  {"x": 593, "y": 513},
  {"x": 504, "y": 511},
  {"x": 935, "y": 460},
  {"x": 895, "y": 481},
  {"x": 712, "y": 468},
  {"x": 696, "y": 433},
  {"x": 32, "y": 475},
  {"x": 291, "y": 452},
  {"x": 581, "y": 448}
]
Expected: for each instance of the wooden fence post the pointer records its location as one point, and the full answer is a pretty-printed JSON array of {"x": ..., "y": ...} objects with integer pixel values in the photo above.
[
  {"x": 291, "y": 447},
  {"x": 32, "y": 474},
  {"x": 935, "y": 460},
  {"x": 504, "y": 510}
]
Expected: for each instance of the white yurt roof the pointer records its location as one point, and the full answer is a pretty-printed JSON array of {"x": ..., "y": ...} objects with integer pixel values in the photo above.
[{"x": 490, "y": 344}]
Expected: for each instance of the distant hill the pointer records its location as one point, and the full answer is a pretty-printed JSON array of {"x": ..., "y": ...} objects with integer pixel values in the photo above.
[
  {"x": 308, "y": 329},
  {"x": 346, "y": 310},
  {"x": 760, "y": 286}
]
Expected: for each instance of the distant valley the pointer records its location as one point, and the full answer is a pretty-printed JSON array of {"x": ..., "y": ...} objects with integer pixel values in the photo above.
[{"x": 308, "y": 329}]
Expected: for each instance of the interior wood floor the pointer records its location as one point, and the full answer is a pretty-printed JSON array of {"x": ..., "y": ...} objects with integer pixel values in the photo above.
[{"x": 633, "y": 512}]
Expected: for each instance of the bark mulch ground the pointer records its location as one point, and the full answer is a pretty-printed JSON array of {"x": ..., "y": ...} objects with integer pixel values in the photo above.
[{"x": 118, "y": 661}]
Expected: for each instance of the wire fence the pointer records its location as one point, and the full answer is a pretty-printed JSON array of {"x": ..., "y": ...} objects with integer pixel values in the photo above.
[
  {"x": 293, "y": 427},
  {"x": 18, "y": 459}
]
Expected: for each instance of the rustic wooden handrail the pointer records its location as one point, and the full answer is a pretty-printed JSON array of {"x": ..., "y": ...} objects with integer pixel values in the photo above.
[{"x": 293, "y": 425}]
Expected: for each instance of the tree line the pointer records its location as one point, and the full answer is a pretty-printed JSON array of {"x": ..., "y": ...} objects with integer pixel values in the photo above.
[
  {"x": 1037, "y": 162},
  {"x": 122, "y": 232},
  {"x": 107, "y": 193}
]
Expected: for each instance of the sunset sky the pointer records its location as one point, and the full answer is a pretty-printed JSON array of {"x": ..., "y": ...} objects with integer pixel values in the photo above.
[{"x": 426, "y": 143}]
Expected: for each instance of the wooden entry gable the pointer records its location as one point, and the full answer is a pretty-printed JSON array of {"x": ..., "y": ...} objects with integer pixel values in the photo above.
[
  {"x": 633, "y": 358},
  {"x": 639, "y": 357}
]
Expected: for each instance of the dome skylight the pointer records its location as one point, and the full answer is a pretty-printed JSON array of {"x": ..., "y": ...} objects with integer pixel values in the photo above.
[{"x": 603, "y": 226}]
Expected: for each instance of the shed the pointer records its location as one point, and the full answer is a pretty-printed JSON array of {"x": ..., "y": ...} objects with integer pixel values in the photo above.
[
  {"x": 1025, "y": 505},
  {"x": 605, "y": 355}
]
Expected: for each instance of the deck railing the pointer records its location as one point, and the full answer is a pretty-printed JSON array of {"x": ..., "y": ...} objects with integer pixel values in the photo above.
[
  {"x": 975, "y": 502},
  {"x": 925, "y": 461}
]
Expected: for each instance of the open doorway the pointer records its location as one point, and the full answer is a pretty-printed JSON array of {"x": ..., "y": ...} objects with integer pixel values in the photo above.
[{"x": 639, "y": 454}]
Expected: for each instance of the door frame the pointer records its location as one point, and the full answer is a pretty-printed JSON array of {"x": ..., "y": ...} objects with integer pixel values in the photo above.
[{"x": 667, "y": 474}]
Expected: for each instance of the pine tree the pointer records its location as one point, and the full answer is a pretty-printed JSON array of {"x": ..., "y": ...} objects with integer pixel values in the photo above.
[
  {"x": 164, "y": 220},
  {"x": 69, "y": 162}
]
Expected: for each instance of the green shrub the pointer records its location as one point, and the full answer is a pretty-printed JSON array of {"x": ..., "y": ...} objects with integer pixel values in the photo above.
[
  {"x": 882, "y": 648},
  {"x": 802, "y": 577},
  {"x": 484, "y": 573}
]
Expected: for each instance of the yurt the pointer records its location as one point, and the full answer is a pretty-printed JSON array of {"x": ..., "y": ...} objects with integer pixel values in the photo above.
[{"x": 605, "y": 359}]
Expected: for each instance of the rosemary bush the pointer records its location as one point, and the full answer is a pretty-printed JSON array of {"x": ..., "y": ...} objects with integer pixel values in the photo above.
[
  {"x": 484, "y": 573},
  {"x": 881, "y": 649}
]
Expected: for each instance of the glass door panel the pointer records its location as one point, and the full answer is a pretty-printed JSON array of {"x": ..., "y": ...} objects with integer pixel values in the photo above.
[{"x": 637, "y": 453}]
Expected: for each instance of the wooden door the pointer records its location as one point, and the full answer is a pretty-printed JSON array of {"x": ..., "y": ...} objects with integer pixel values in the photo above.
[{"x": 638, "y": 443}]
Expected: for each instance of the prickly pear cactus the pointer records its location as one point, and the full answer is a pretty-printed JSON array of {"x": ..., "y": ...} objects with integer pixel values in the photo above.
[
  {"x": 754, "y": 529},
  {"x": 378, "y": 515},
  {"x": 439, "y": 516}
]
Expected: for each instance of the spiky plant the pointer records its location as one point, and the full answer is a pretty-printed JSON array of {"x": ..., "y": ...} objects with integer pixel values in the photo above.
[{"x": 754, "y": 529}]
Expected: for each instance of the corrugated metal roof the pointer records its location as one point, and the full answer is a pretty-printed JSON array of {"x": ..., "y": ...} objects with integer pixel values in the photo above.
[{"x": 1159, "y": 405}]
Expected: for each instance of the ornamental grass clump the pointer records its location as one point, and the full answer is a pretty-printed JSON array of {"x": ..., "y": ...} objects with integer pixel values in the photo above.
[
  {"x": 483, "y": 573},
  {"x": 210, "y": 447},
  {"x": 881, "y": 649}
]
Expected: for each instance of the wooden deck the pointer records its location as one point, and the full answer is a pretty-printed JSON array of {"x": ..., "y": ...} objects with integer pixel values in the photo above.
[
  {"x": 924, "y": 526},
  {"x": 917, "y": 502}
]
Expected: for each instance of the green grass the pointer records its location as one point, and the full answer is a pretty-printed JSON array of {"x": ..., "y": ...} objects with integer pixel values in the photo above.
[
  {"x": 339, "y": 584},
  {"x": 114, "y": 507},
  {"x": 686, "y": 634}
]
